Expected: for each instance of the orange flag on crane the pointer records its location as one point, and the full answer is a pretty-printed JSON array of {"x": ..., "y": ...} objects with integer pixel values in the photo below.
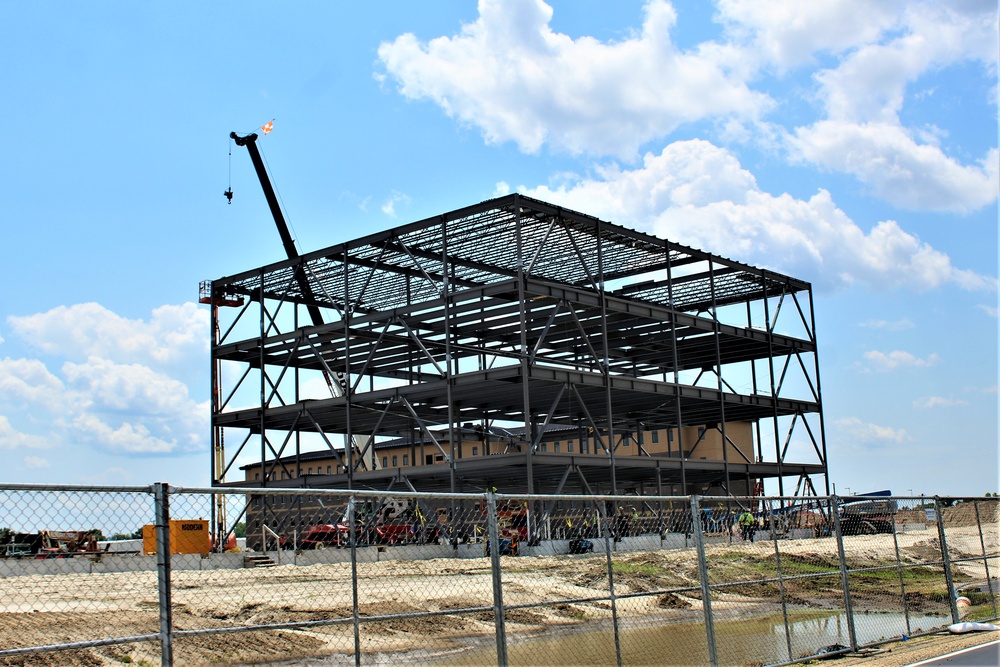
[{"x": 267, "y": 127}]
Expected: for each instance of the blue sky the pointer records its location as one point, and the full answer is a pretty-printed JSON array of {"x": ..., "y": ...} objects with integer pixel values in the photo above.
[{"x": 851, "y": 143}]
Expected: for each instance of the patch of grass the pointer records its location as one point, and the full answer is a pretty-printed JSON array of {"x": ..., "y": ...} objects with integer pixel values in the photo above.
[{"x": 647, "y": 569}]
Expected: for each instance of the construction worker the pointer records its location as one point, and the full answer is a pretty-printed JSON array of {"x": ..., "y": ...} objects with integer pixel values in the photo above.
[{"x": 748, "y": 525}]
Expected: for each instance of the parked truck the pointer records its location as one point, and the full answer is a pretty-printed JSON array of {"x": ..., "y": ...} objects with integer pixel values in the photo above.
[{"x": 868, "y": 515}]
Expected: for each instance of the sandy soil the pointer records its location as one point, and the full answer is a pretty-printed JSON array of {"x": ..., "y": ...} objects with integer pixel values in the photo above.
[
  {"x": 39, "y": 610},
  {"x": 922, "y": 648}
]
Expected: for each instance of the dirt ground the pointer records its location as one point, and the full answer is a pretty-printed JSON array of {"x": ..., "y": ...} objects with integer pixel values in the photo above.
[{"x": 40, "y": 610}]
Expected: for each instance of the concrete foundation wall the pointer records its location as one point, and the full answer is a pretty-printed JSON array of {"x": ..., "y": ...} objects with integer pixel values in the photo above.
[
  {"x": 125, "y": 563},
  {"x": 676, "y": 541},
  {"x": 323, "y": 556},
  {"x": 111, "y": 562}
]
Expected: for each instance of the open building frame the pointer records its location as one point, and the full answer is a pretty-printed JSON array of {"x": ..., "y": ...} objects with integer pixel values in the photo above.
[{"x": 519, "y": 317}]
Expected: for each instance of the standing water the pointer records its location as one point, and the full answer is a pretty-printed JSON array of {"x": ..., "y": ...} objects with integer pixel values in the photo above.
[{"x": 756, "y": 640}]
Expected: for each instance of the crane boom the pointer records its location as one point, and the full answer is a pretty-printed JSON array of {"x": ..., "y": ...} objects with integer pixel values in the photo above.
[{"x": 250, "y": 142}]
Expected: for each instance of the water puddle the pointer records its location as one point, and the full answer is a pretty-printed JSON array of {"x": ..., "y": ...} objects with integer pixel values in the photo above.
[{"x": 752, "y": 640}]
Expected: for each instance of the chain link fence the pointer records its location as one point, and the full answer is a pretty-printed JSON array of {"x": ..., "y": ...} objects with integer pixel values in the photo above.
[{"x": 173, "y": 576}]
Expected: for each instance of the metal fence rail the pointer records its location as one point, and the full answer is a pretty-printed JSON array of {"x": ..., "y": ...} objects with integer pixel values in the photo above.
[{"x": 155, "y": 574}]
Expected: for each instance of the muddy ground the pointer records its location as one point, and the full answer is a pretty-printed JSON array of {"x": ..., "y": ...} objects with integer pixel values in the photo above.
[{"x": 40, "y": 610}]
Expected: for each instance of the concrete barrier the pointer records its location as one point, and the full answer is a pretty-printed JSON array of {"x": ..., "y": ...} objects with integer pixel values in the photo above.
[
  {"x": 325, "y": 556},
  {"x": 226, "y": 561},
  {"x": 179, "y": 562},
  {"x": 419, "y": 552},
  {"x": 638, "y": 543},
  {"x": 58, "y": 566},
  {"x": 800, "y": 534},
  {"x": 676, "y": 541},
  {"x": 911, "y": 527},
  {"x": 115, "y": 546},
  {"x": 546, "y": 548},
  {"x": 112, "y": 563}
]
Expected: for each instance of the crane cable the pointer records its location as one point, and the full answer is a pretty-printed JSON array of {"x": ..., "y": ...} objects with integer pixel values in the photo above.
[
  {"x": 277, "y": 193},
  {"x": 229, "y": 191}
]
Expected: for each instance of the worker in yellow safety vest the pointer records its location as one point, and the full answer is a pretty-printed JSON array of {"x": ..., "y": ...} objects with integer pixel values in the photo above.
[{"x": 748, "y": 525}]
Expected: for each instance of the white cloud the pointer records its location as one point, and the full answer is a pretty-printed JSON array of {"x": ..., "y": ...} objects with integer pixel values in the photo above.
[
  {"x": 133, "y": 409},
  {"x": 509, "y": 74},
  {"x": 389, "y": 207},
  {"x": 35, "y": 462},
  {"x": 28, "y": 380},
  {"x": 89, "y": 329},
  {"x": 887, "y": 325},
  {"x": 931, "y": 402},
  {"x": 869, "y": 433},
  {"x": 870, "y": 82},
  {"x": 898, "y": 169},
  {"x": 890, "y": 361},
  {"x": 698, "y": 194},
  {"x": 123, "y": 387},
  {"x": 988, "y": 309},
  {"x": 12, "y": 439},
  {"x": 126, "y": 438},
  {"x": 512, "y": 76},
  {"x": 787, "y": 34},
  {"x": 865, "y": 93},
  {"x": 127, "y": 387},
  {"x": 113, "y": 475}
]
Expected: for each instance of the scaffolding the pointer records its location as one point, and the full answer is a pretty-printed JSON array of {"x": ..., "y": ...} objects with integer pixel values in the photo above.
[{"x": 517, "y": 314}]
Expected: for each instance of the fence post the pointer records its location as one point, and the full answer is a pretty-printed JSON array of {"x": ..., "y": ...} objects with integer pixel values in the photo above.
[
  {"x": 706, "y": 589},
  {"x": 844, "y": 580},
  {"x": 161, "y": 504},
  {"x": 986, "y": 559},
  {"x": 946, "y": 560},
  {"x": 899, "y": 572},
  {"x": 494, "y": 545},
  {"x": 781, "y": 580},
  {"x": 608, "y": 543},
  {"x": 355, "y": 611}
]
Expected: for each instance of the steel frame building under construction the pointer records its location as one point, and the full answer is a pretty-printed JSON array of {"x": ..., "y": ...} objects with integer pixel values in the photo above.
[{"x": 516, "y": 314}]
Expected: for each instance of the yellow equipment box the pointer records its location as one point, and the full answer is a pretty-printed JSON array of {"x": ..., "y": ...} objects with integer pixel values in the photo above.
[{"x": 187, "y": 536}]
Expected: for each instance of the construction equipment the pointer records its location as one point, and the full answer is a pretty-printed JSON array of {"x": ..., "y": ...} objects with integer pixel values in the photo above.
[
  {"x": 50, "y": 544},
  {"x": 187, "y": 536},
  {"x": 206, "y": 296},
  {"x": 868, "y": 514},
  {"x": 335, "y": 384}
]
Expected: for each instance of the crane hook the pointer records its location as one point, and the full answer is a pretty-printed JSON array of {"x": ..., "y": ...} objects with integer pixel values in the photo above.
[{"x": 229, "y": 195}]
